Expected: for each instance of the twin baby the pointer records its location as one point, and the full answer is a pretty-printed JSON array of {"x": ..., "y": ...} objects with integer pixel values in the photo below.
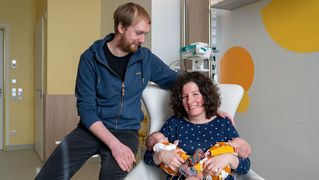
[{"x": 194, "y": 164}]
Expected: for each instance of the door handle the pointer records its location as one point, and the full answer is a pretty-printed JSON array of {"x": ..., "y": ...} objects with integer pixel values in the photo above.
[
  {"x": 0, "y": 92},
  {"x": 40, "y": 91}
]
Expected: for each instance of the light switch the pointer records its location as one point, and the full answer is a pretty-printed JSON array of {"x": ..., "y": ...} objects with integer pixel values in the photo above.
[
  {"x": 14, "y": 64},
  {"x": 14, "y": 92},
  {"x": 20, "y": 93},
  {"x": 13, "y": 81}
]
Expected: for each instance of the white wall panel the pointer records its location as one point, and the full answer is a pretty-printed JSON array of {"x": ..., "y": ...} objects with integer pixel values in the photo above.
[{"x": 281, "y": 123}]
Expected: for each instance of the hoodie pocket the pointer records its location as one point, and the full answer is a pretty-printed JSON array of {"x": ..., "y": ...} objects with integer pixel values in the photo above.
[{"x": 135, "y": 80}]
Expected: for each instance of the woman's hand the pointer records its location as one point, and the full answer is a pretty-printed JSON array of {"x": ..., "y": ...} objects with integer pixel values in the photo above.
[
  {"x": 224, "y": 114},
  {"x": 216, "y": 164},
  {"x": 170, "y": 158}
]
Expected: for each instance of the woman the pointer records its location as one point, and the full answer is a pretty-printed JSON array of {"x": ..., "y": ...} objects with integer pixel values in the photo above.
[{"x": 195, "y": 101}]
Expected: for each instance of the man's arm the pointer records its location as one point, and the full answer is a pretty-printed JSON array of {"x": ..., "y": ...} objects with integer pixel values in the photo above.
[{"x": 161, "y": 73}]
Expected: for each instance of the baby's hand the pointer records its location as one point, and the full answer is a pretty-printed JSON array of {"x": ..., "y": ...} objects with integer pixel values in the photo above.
[{"x": 176, "y": 142}]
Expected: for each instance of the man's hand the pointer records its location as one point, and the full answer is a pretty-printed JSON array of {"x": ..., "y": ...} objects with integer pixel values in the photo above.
[
  {"x": 123, "y": 155},
  {"x": 224, "y": 114}
]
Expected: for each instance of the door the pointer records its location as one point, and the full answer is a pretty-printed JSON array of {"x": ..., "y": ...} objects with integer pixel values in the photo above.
[
  {"x": 1, "y": 85},
  {"x": 39, "y": 87}
]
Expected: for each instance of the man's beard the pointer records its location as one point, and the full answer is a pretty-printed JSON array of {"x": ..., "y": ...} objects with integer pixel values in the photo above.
[
  {"x": 132, "y": 47},
  {"x": 128, "y": 47}
]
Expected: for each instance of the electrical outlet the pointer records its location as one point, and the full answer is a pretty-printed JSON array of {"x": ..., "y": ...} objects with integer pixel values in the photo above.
[{"x": 13, "y": 132}]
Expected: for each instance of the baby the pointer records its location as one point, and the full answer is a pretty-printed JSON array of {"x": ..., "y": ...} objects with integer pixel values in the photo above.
[
  {"x": 158, "y": 142},
  {"x": 193, "y": 164}
]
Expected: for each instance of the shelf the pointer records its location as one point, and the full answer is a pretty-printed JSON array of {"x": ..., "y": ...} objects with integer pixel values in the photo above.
[{"x": 230, "y": 4}]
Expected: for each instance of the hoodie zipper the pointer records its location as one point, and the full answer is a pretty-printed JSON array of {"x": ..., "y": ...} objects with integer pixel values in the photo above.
[
  {"x": 122, "y": 99},
  {"x": 123, "y": 94},
  {"x": 122, "y": 103}
]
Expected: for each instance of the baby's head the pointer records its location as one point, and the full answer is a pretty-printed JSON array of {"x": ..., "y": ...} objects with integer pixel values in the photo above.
[{"x": 154, "y": 138}]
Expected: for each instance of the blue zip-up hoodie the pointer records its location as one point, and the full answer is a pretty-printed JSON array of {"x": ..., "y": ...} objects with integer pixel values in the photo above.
[{"x": 101, "y": 94}]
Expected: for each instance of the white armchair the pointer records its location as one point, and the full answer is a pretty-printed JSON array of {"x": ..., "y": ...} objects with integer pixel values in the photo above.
[{"x": 157, "y": 100}]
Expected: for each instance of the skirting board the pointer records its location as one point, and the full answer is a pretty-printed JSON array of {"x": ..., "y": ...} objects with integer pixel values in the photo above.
[{"x": 16, "y": 147}]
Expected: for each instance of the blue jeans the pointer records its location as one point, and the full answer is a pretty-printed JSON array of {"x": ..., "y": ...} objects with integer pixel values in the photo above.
[{"x": 77, "y": 147}]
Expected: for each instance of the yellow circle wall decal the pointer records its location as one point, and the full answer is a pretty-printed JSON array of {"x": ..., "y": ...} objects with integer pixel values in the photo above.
[
  {"x": 294, "y": 25},
  {"x": 244, "y": 103},
  {"x": 237, "y": 67}
]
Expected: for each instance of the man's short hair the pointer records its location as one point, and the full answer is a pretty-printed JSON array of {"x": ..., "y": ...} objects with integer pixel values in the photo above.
[{"x": 129, "y": 14}]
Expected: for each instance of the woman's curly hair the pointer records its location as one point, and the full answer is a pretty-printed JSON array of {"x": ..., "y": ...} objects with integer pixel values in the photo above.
[{"x": 207, "y": 88}]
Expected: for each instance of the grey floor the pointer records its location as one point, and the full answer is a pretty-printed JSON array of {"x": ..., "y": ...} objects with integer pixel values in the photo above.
[{"x": 23, "y": 165}]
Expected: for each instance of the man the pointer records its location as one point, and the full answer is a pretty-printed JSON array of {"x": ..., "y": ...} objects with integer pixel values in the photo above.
[{"x": 112, "y": 75}]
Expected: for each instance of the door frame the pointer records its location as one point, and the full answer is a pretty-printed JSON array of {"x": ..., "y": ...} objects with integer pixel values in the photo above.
[
  {"x": 5, "y": 116},
  {"x": 40, "y": 53}
]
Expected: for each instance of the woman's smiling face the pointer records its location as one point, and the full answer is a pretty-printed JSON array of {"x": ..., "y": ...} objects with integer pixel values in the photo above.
[{"x": 193, "y": 102}]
